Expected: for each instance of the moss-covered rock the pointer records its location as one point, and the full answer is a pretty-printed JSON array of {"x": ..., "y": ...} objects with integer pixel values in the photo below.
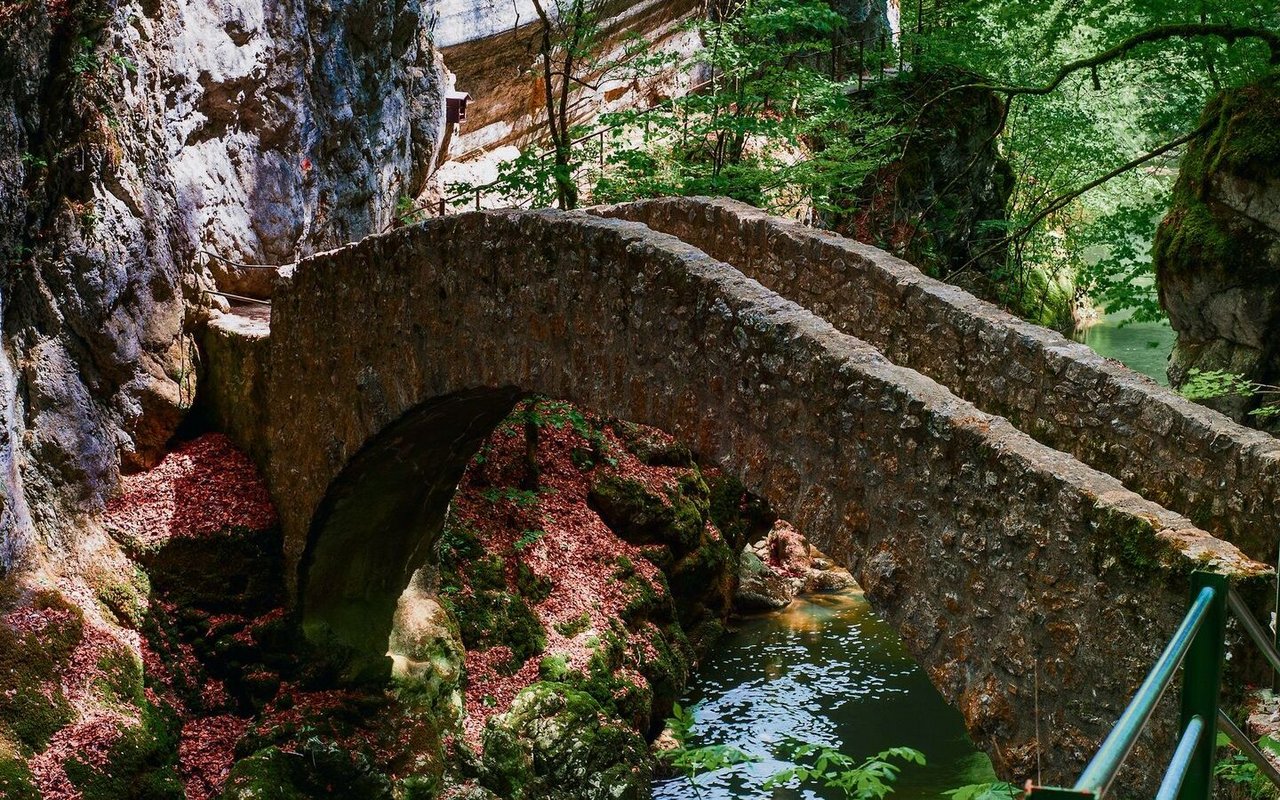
[
  {"x": 426, "y": 648},
  {"x": 740, "y": 516},
  {"x": 318, "y": 769},
  {"x": 703, "y": 582},
  {"x": 1217, "y": 251},
  {"x": 556, "y": 744},
  {"x": 141, "y": 764},
  {"x": 936, "y": 199},
  {"x": 641, "y": 517},
  {"x": 652, "y": 447},
  {"x": 759, "y": 587},
  {"x": 32, "y": 704}
]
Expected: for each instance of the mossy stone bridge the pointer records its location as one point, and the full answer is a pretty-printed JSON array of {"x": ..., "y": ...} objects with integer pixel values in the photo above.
[{"x": 1025, "y": 513}]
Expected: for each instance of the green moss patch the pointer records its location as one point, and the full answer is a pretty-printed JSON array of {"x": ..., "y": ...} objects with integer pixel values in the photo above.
[
  {"x": 489, "y": 614},
  {"x": 1239, "y": 141},
  {"x": 318, "y": 768},
  {"x": 32, "y": 704},
  {"x": 141, "y": 765},
  {"x": 15, "y": 779},
  {"x": 641, "y": 517}
]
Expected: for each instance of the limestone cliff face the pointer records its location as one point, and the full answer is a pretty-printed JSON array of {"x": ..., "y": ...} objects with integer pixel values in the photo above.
[
  {"x": 492, "y": 48},
  {"x": 1217, "y": 252},
  {"x": 134, "y": 135}
]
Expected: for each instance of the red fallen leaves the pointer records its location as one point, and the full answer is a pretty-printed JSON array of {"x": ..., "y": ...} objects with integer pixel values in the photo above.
[
  {"x": 788, "y": 550},
  {"x": 206, "y": 753},
  {"x": 490, "y": 691},
  {"x": 205, "y": 486},
  {"x": 88, "y": 740},
  {"x": 578, "y": 552}
]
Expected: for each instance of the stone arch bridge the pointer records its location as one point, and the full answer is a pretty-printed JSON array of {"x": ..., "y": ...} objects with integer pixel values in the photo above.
[{"x": 1024, "y": 512}]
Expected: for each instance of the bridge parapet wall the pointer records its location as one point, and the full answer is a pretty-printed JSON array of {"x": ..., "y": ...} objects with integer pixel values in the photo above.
[
  {"x": 1223, "y": 476},
  {"x": 1012, "y": 570}
]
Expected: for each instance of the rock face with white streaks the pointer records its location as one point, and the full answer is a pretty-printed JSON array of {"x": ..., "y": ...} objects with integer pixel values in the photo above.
[{"x": 134, "y": 136}]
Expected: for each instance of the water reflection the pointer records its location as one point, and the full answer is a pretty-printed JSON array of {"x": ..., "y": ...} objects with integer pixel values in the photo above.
[
  {"x": 827, "y": 671},
  {"x": 1141, "y": 346}
]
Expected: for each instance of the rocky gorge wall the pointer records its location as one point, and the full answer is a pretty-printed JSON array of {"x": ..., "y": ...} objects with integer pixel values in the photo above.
[
  {"x": 1217, "y": 252},
  {"x": 1226, "y": 478},
  {"x": 133, "y": 136},
  {"x": 990, "y": 553},
  {"x": 492, "y": 49}
]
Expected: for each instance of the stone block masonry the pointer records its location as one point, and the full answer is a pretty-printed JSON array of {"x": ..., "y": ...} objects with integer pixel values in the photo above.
[
  {"x": 1223, "y": 476},
  {"x": 1005, "y": 564}
]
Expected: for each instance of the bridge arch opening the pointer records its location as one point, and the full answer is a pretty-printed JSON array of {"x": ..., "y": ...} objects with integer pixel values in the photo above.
[{"x": 380, "y": 518}]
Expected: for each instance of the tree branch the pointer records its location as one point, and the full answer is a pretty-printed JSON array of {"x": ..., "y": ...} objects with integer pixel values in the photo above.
[
  {"x": 1157, "y": 34},
  {"x": 1063, "y": 200}
]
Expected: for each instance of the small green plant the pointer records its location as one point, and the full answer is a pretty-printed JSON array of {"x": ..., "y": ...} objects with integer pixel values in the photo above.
[
  {"x": 869, "y": 779},
  {"x": 126, "y": 64},
  {"x": 408, "y": 212},
  {"x": 528, "y": 539},
  {"x": 1238, "y": 769},
  {"x": 691, "y": 761},
  {"x": 85, "y": 59},
  {"x": 34, "y": 161},
  {"x": 985, "y": 791},
  {"x": 1214, "y": 383},
  {"x": 521, "y": 497},
  {"x": 574, "y": 626}
]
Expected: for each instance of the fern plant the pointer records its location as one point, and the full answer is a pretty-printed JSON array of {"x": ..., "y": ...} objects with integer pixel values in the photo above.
[
  {"x": 691, "y": 761},
  {"x": 869, "y": 779}
]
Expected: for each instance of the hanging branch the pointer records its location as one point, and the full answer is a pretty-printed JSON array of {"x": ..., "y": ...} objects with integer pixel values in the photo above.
[
  {"x": 1063, "y": 200},
  {"x": 1160, "y": 33}
]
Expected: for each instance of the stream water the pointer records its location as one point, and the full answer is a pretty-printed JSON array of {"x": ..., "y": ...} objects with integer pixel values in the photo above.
[
  {"x": 1141, "y": 346},
  {"x": 826, "y": 670}
]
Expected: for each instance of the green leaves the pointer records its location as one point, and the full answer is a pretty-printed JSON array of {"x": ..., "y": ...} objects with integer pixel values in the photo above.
[
  {"x": 869, "y": 779},
  {"x": 985, "y": 791},
  {"x": 692, "y": 761},
  {"x": 1238, "y": 769},
  {"x": 1095, "y": 122},
  {"x": 1216, "y": 383},
  {"x": 771, "y": 127}
]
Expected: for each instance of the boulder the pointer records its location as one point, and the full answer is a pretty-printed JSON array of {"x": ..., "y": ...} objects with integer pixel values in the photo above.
[
  {"x": 1217, "y": 251},
  {"x": 426, "y": 650},
  {"x": 556, "y": 744},
  {"x": 760, "y": 588}
]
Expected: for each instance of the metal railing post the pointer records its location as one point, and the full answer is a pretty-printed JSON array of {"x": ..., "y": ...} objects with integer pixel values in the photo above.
[{"x": 1202, "y": 682}]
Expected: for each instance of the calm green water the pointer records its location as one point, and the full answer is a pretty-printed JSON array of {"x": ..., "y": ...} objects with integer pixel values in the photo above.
[
  {"x": 1141, "y": 346},
  {"x": 828, "y": 671}
]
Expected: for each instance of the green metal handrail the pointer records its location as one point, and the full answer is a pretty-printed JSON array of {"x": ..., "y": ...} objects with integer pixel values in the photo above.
[
  {"x": 1199, "y": 641},
  {"x": 1176, "y": 775}
]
